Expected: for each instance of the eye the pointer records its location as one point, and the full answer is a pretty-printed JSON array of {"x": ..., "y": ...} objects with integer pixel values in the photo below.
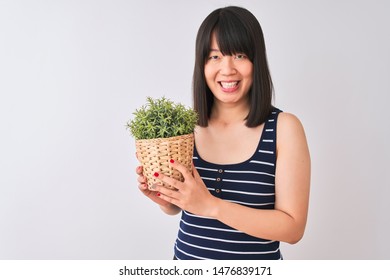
[
  {"x": 240, "y": 56},
  {"x": 213, "y": 57}
]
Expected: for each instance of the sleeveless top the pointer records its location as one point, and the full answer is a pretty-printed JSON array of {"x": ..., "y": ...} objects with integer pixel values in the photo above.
[{"x": 250, "y": 183}]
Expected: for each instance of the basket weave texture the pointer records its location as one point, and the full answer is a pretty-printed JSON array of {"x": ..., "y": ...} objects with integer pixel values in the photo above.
[{"x": 155, "y": 154}]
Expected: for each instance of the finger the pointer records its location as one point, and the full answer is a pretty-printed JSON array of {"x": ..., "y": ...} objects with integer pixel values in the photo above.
[
  {"x": 181, "y": 168},
  {"x": 141, "y": 179},
  {"x": 139, "y": 170},
  {"x": 143, "y": 187},
  {"x": 169, "y": 195},
  {"x": 170, "y": 181},
  {"x": 168, "y": 198},
  {"x": 174, "y": 194}
]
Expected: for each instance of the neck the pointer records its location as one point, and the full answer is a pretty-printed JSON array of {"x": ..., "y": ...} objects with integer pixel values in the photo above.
[{"x": 228, "y": 114}]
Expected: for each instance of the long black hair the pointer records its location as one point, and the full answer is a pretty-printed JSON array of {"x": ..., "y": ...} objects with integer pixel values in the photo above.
[{"x": 237, "y": 31}]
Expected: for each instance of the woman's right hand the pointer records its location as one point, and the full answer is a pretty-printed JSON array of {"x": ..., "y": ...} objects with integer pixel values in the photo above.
[{"x": 167, "y": 207}]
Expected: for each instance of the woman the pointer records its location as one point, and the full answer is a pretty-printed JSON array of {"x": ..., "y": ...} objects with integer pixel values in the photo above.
[{"x": 250, "y": 186}]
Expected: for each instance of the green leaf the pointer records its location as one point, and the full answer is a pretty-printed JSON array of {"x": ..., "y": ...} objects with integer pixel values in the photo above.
[{"x": 162, "y": 118}]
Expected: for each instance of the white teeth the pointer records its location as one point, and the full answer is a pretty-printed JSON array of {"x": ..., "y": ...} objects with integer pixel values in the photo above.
[{"x": 229, "y": 85}]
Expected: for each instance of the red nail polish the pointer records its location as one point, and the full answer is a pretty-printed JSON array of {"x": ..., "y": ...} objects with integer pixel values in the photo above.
[
  {"x": 156, "y": 174},
  {"x": 172, "y": 161}
]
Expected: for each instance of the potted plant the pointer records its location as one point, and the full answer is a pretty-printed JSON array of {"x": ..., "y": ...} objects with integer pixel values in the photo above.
[{"x": 163, "y": 130}]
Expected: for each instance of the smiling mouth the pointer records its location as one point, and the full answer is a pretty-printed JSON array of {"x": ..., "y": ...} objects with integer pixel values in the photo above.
[{"x": 229, "y": 85}]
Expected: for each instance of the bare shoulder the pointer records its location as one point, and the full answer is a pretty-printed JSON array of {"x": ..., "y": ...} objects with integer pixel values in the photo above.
[
  {"x": 288, "y": 121},
  {"x": 290, "y": 130}
]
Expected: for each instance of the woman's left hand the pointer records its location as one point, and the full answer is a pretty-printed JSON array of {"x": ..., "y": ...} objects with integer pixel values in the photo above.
[{"x": 191, "y": 195}]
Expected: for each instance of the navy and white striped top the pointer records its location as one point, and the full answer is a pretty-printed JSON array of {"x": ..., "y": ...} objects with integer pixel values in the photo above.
[{"x": 250, "y": 183}]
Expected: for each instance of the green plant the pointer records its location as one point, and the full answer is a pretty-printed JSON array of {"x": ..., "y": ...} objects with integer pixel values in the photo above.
[{"x": 162, "y": 118}]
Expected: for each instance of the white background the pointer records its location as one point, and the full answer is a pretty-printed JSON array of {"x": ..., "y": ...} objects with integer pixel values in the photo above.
[{"x": 72, "y": 72}]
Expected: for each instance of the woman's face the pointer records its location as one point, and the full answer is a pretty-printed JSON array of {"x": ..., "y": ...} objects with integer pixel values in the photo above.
[{"x": 228, "y": 77}]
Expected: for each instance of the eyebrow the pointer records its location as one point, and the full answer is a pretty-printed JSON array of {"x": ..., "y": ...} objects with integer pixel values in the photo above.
[{"x": 214, "y": 50}]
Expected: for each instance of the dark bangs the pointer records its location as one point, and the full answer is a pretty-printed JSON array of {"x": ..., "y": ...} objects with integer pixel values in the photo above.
[{"x": 232, "y": 36}]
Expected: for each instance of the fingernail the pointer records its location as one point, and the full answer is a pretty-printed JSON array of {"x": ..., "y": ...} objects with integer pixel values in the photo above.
[
  {"x": 156, "y": 174},
  {"x": 172, "y": 161}
]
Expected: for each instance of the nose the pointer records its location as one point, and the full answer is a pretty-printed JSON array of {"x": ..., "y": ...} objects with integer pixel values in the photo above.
[{"x": 227, "y": 66}]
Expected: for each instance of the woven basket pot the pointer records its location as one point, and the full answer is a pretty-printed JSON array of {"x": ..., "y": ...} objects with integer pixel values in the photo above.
[{"x": 155, "y": 154}]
